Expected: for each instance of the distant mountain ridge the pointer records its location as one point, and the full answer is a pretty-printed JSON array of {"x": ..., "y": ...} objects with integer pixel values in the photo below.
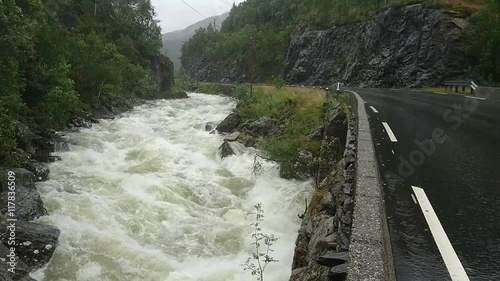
[{"x": 172, "y": 41}]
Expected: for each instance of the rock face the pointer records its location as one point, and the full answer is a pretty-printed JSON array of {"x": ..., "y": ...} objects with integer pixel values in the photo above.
[
  {"x": 301, "y": 169},
  {"x": 29, "y": 205},
  {"x": 229, "y": 148},
  {"x": 229, "y": 124},
  {"x": 36, "y": 244},
  {"x": 400, "y": 47},
  {"x": 209, "y": 126},
  {"x": 262, "y": 127},
  {"x": 24, "y": 137},
  {"x": 163, "y": 70}
]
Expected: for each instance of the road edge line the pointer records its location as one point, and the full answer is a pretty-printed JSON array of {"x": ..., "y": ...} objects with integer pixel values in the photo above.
[
  {"x": 450, "y": 258},
  {"x": 389, "y": 132}
]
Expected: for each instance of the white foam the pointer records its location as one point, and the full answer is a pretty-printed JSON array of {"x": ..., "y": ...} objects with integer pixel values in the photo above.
[{"x": 145, "y": 197}]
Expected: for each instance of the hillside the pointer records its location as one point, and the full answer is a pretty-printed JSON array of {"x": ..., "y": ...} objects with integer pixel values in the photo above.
[
  {"x": 60, "y": 58},
  {"x": 223, "y": 56},
  {"x": 172, "y": 41}
]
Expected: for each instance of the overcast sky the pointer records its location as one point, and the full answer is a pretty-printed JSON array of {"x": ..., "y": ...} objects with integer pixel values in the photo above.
[{"x": 175, "y": 15}]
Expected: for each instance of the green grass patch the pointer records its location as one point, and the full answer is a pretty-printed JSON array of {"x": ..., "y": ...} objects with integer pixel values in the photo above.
[{"x": 299, "y": 110}]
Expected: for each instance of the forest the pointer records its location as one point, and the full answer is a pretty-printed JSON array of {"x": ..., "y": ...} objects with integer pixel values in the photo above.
[
  {"x": 59, "y": 56},
  {"x": 270, "y": 23}
]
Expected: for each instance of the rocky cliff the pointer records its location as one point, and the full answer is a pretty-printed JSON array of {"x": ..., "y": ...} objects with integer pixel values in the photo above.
[
  {"x": 163, "y": 70},
  {"x": 400, "y": 47}
]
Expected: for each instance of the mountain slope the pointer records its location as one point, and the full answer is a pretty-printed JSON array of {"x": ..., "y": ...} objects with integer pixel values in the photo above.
[
  {"x": 223, "y": 56},
  {"x": 172, "y": 41}
]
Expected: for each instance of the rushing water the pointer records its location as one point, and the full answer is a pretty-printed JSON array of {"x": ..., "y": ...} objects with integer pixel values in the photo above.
[{"x": 146, "y": 197}]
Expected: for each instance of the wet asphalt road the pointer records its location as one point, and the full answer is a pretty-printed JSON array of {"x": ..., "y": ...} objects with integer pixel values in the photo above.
[{"x": 459, "y": 172}]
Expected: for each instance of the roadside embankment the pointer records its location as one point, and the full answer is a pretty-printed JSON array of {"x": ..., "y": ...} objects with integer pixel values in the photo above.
[
  {"x": 284, "y": 123},
  {"x": 312, "y": 135},
  {"x": 370, "y": 249},
  {"x": 344, "y": 234}
]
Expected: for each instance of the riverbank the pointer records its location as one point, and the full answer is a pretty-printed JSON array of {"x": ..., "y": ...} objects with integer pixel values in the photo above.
[
  {"x": 311, "y": 134},
  {"x": 27, "y": 165}
]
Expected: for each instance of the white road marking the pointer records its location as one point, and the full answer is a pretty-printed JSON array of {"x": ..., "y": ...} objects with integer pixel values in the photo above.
[
  {"x": 374, "y": 110},
  {"x": 392, "y": 151},
  {"x": 414, "y": 199},
  {"x": 477, "y": 98},
  {"x": 453, "y": 264},
  {"x": 389, "y": 132}
]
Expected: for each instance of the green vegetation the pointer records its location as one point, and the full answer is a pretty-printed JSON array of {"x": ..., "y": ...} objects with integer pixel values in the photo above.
[
  {"x": 484, "y": 45},
  {"x": 262, "y": 242},
  {"x": 59, "y": 56},
  {"x": 299, "y": 109},
  {"x": 269, "y": 25}
]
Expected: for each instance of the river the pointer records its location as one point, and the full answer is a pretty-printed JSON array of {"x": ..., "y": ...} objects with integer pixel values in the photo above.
[{"x": 146, "y": 197}]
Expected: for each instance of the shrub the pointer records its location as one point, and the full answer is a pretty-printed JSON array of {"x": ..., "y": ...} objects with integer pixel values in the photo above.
[{"x": 59, "y": 104}]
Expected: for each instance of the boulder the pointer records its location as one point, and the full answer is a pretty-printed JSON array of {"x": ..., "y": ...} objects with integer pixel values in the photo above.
[
  {"x": 334, "y": 259},
  {"x": 21, "y": 272},
  {"x": 59, "y": 143},
  {"x": 46, "y": 157},
  {"x": 338, "y": 273},
  {"x": 29, "y": 205},
  {"x": 41, "y": 171},
  {"x": 247, "y": 140},
  {"x": 24, "y": 137},
  {"x": 36, "y": 243},
  {"x": 225, "y": 150},
  {"x": 233, "y": 136},
  {"x": 316, "y": 135},
  {"x": 262, "y": 127},
  {"x": 231, "y": 148},
  {"x": 336, "y": 125},
  {"x": 210, "y": 126},
  {"x": 342, "y": 241},
  {"x": 44, "y": 145},
  {"x": 302, "y": 167},
  {"x": 229, "y": 124},
  {"x": 81, "y": 120}
]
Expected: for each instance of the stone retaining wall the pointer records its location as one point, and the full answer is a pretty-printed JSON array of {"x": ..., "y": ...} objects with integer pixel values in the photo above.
[{"x": 370, "y": 247}]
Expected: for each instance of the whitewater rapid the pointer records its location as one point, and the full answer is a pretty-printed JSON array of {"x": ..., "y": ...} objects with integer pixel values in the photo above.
[{"x": 146, "y": 197}]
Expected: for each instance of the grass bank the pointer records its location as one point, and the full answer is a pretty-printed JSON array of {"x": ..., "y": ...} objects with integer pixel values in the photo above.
[
  {"x": 208, "y": 88},
  {"x": 299, "y": 111},
  {"x": 447, "y": 91}
]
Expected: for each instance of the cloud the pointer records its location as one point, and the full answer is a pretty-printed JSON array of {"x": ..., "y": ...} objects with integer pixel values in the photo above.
[{"x": 175, "y": 15}]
